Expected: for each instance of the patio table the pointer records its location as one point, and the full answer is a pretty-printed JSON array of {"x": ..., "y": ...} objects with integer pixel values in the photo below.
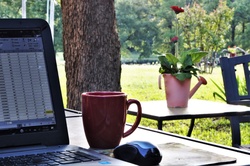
[{"x": 158, "y": 110}]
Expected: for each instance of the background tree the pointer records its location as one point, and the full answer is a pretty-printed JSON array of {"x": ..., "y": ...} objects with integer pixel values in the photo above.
[
  {"x": 10, "y": 9},
  {"x": 58, "y": 31},
  {"x": 164, "y": 23},
  {"x": 34, "y": 9},
  {"x": 240, "y": 27},
  {"x": 149, "y": 23},
  {"x": 137, "y": 26},
  {"x": 204, "y": 30},
  {"x": 166, "y": 18},
  {"x": 91, "y": 48},
  {"x": 38, "y": 9}
]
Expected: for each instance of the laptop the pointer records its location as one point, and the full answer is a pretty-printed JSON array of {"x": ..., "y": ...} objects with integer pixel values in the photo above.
[{"x": 32, "y": 118}]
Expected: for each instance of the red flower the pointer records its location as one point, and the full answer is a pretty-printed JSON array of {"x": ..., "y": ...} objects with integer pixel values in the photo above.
[
  {"x": 174, "y": 39},
  {"x": 177, "y": 9}
]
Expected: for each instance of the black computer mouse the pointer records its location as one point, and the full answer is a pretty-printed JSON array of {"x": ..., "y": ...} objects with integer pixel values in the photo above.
[{"x": 138, "y": 152}]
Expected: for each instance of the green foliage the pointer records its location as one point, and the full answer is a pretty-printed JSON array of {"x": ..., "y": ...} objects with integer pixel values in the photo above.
[
  {"x": 137, "y": 26},
  {"x": 146, "y": 26},
  {"x": 221, "y": 94},
  {"x": 58, "y": 31},
  {"x": 184, "y": 67},
  {"x": 210, "y": 26},
  {"x": 241, "y": 86},
  {"x": 10, "y": 9},
  {"x": 242, "y": 89},
  {"x": 240, "y": 24},
  {"x": 198, "y": 28},
  {"x": 34, "y": 9},
  {"x": 205, "y": 30}
]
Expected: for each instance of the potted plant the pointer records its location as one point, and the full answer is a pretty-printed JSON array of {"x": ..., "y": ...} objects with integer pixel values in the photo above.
[
  {"x": 177, "y": 73},
  {"x": 184, "y": 66},
  {"x": 178, "y": 69}
]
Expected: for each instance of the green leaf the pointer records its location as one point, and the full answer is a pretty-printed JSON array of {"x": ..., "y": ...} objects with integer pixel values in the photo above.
[
  {"x": 182, "y": 76},
  {"x": 183, "y": 67},
  {"x": 156, "y": 52},
  {"x": 164, "y": 61},
  {"x": 219, "y": 95},
  {"x": 189, "y": 52},
  {"x": 186, "y": 61},
  {"x": 220, "y": 89},
  {"x": 197, "y": 56},
  {"x": 172, "y": 59}
]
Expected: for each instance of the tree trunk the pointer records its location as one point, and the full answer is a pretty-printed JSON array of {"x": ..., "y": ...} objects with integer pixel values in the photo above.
[{"x": 91, "y": 48}]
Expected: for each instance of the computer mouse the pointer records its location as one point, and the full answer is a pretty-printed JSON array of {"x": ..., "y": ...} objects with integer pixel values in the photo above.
[{"x": 138, "y": 152}]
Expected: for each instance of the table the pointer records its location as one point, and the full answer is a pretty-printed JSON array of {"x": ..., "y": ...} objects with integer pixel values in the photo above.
[
  {"x": 158, "y": 110},
  {"x": 77, "y": 137}
]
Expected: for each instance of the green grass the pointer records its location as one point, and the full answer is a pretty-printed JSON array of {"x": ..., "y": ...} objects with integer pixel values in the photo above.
[
  {"x": 62, "y": 77},
  {"x": 141, "y": 82}
]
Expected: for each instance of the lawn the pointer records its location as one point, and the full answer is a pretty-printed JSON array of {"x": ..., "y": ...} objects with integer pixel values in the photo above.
[{"x": 141, "y": 82}]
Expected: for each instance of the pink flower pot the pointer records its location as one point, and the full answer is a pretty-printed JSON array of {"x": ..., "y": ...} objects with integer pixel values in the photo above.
[{"x": 177, "y": 92}]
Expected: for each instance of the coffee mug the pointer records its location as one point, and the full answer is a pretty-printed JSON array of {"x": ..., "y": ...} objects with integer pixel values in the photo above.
[{"x": 104, "y": 117}]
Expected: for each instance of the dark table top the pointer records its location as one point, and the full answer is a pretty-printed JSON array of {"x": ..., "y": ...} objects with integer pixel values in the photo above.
[{"x": 168, "y": 140}]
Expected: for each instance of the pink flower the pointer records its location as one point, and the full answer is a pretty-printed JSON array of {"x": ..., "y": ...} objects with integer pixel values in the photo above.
[{"x": 177, "y": 9}]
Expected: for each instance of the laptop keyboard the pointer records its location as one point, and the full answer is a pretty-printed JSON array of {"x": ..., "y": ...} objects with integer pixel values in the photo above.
[{"x": 51, "y": 158}]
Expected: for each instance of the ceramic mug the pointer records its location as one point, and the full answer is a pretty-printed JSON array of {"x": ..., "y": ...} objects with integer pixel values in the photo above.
[{"x": 104, "y": 117}]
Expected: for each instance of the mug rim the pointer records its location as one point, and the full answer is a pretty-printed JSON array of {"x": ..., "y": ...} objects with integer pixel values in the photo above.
[{"x": 103, "y": 93}]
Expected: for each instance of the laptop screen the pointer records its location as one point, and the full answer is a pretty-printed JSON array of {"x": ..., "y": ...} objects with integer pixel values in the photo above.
[
  {"x": 25, "y": 100},
  {"x": 31, "y": 107}
]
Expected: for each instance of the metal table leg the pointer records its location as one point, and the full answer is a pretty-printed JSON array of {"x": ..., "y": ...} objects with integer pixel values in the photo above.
[
  {"x": 159, "y": 125},
  {"x": 191, "y": 127}
]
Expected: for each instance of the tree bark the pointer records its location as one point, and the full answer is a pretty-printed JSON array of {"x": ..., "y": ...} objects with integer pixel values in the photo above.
[{"x": 91, "y": 48}]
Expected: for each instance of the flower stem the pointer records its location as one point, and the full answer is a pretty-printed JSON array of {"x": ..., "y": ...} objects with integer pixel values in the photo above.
[{"x": 176, "y": 44}]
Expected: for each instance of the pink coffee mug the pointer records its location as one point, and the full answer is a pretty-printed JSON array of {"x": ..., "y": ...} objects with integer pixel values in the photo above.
[{"x": 104, "y": 117}]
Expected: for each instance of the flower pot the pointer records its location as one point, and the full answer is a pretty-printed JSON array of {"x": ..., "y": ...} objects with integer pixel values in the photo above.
[{"x": 177, "y": 92}]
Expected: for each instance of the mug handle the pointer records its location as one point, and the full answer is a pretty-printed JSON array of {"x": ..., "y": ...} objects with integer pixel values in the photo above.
[{"x": 138, "y": 117}]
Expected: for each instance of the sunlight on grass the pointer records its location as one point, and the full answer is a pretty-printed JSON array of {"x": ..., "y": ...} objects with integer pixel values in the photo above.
[
  {"x": 141, "y": 82},
  {"x": 62, "y": 77}
]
